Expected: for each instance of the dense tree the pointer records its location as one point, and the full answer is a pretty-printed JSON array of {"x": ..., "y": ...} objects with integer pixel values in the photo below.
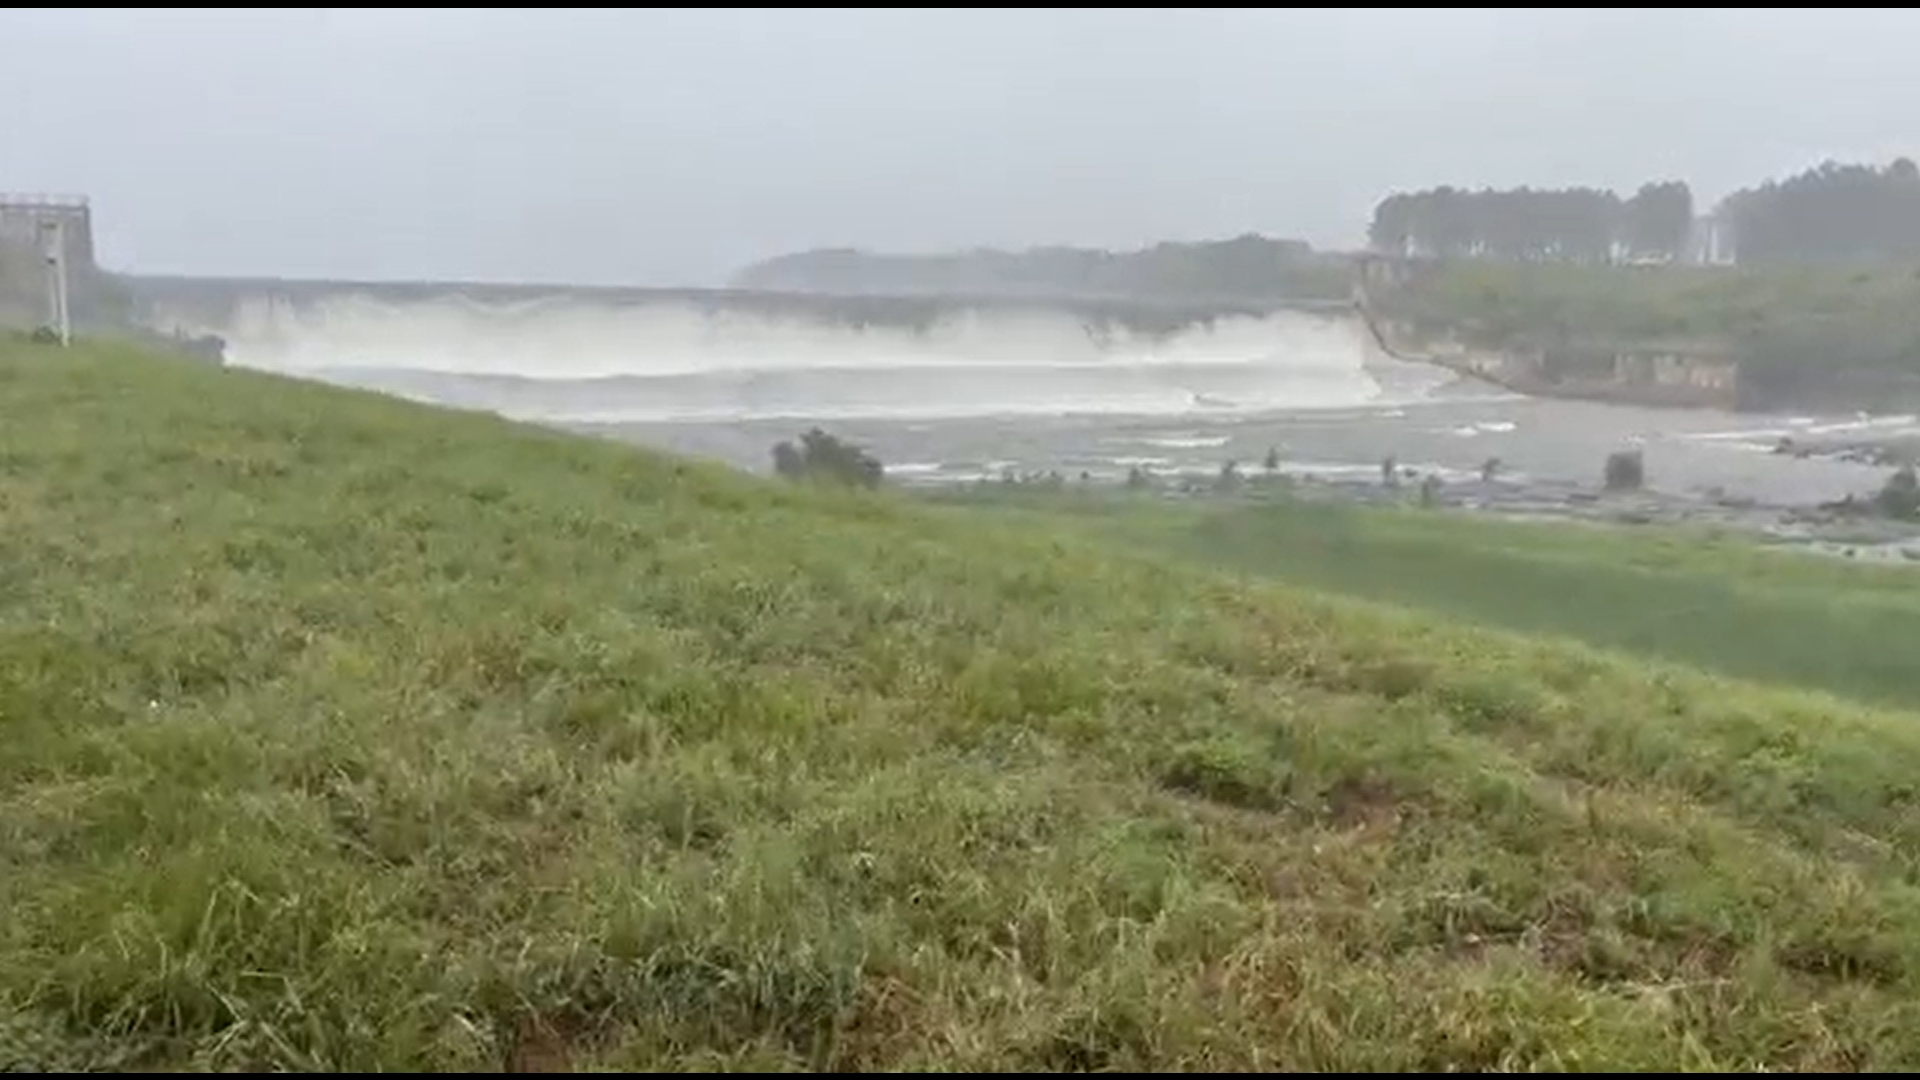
[
  {"x": 1829, "y": 213},
  {"x": 1244, "y": 268},
  {"x": 1536, "y": 225},
  {"x": 1658, "y": 220}
]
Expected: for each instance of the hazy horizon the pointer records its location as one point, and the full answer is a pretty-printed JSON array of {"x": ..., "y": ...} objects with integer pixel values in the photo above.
[{"x": 673, "y": 147}]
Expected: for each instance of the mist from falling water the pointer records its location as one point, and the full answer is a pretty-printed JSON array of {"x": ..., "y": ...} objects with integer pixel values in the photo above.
[{"x": 566, "y": 359}]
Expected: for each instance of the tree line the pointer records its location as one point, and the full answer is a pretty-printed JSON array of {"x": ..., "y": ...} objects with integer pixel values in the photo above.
[
  {"x": 1525, "y": 224},
  {"x": 1244, "y": 268},
  {"x": 1831, "y": 212}
]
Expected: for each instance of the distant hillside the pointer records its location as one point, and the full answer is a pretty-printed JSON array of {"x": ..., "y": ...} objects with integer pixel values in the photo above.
[{"x": 1248, "y": 267}]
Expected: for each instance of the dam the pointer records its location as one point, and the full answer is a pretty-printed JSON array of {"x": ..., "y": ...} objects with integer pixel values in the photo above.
[{"x": 611, "y": 355}]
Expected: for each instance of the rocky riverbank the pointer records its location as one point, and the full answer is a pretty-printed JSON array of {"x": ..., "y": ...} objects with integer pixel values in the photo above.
[
  {"x": 1890, "y": 449},
  {"x": 1847, "y": 529}
]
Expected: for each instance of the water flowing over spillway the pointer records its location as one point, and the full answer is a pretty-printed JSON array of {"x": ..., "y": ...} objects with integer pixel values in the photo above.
[{"x": 612, "y": 356}]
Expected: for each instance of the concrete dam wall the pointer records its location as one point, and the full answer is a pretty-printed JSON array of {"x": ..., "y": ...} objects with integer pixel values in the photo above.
[{"x": 601, "y": 355}]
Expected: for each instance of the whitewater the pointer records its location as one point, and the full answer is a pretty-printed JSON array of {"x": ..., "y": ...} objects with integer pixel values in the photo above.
[{"x": 559, "y": 359}]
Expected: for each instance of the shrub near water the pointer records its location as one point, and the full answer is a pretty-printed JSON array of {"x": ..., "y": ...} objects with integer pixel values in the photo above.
[
  {"x": 1626, "y": 470},
  {"x": 1899, "y": 497},
  {"x": 822, "y": 457},
  {"x": 344, "y": 734}
]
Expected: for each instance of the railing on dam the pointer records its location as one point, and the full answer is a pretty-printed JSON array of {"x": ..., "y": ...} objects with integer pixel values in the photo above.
[{"x": 34, "y": 201}]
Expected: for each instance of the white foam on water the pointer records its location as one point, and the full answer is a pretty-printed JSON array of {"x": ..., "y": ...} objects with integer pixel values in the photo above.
[
  {"x": 1482, "y": 427},
  {"x": 1341, "y": 470},
  {"x": 1186, "y": 442},
  {"x": 1797, "y": 426},
  {"x": 589, "y": 361}
]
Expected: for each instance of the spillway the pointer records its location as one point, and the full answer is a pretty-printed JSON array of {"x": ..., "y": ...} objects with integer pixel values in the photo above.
[{"x": 556, "y": 354}]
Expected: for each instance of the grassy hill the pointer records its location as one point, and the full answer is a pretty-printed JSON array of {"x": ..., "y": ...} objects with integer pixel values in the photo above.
[
  {"x": 337, "y": 732},
  {"x": 1695, "y": 595}
]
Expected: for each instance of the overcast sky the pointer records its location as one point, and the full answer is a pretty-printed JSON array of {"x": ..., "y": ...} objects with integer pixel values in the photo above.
[{"x": 661, "y": 147}]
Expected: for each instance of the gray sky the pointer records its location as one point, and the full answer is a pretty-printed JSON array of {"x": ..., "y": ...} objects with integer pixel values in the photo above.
[{"x": 665, "y": 147}]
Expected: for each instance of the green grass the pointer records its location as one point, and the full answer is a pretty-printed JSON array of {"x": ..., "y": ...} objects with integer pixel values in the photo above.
[
  {"x": 1673, "y": 303},
  {"x": 336, "y": 732},
  {"x": 1816, "y": 336},
  {"x": 1701, "y": 597}
]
